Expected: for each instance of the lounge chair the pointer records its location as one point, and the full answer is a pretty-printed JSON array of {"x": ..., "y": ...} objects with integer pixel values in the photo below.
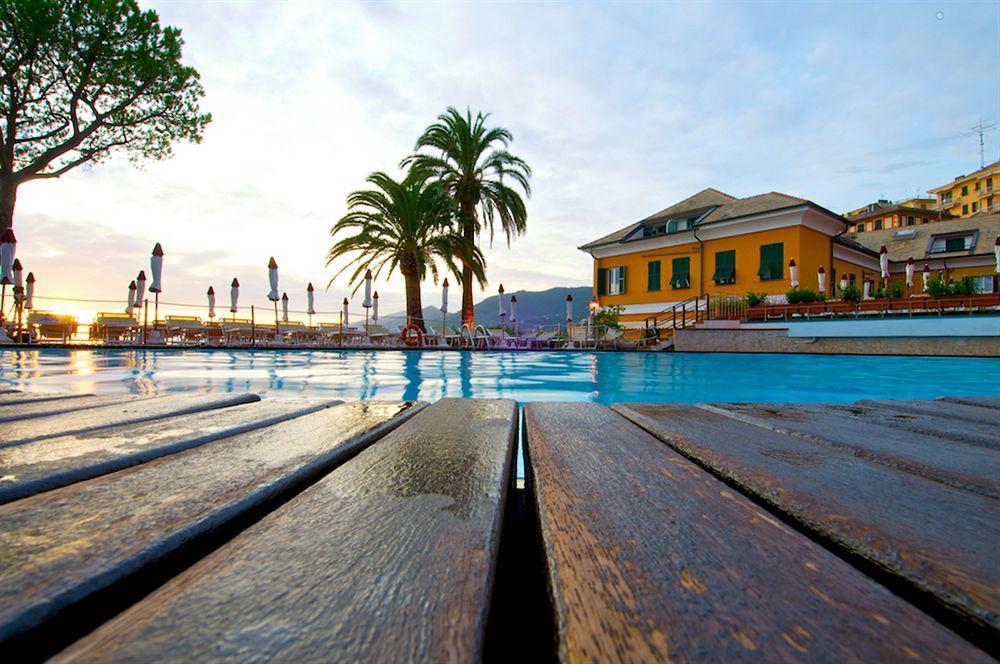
[
  {"x": 236, "y": 331},
  {"x": 184, "y": 329},
  {"x": 578, "y": 337},
  {"x": 296, "y": 332},
  {"x": 112, "y": 328},
  {"x": 47, "y": 325},
  {"x": 380, "y": 335},
  {"x": 542, "y": 339}
]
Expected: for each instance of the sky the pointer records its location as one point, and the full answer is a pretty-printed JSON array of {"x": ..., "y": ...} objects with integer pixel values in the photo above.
[{"x": 621, "y": 109}]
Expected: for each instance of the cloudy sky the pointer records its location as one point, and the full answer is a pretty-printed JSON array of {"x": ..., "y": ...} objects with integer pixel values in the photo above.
[{"x": 621, "y": 109}]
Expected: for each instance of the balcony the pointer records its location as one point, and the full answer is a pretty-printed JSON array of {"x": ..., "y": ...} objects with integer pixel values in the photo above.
[{"x": 945, "y": 204}]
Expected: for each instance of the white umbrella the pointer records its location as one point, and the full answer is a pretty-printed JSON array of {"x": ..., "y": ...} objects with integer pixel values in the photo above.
[
  {"x": 513, "y": 308},
  {"x": 444, "y": 306},
  {"x": 156, "y": 269},
  {"x": 569, "y": 308},
  {"x": 909, "y": 272},
  {"x": 211, "y": 302},
  {"x": 131, "y": 298},
  {"x": 821, "y": 279},
  {"x": 843, "y": 283},
  {"x": 8, "y": 245},
  {"x": 284, "y": 307},
  {"x": 140, "y": 288},
  {"x": 927, "y": 277},
  {"x": 272, "y": 279},
  {"x": 996, "y": 252},
  {"x": 29, "y": 291},
  {"x": 368, "y": 290},
  {"x": 234, "y": 296},
  {"x": 793, "y": 273},
  {"x": 310, "y": 300},
  {"x": 500, "y": 300},
  {"x": 868, "y": 290},
  {"x": 18, "y": 273},
  {"x": 347, "y": 319},
  {"x": 375, "y": 307},
  {"x": 883, "y": 261}
]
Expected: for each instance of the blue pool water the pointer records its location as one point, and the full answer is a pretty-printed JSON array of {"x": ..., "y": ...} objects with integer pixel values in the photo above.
[{"x": 428, "y": 375}]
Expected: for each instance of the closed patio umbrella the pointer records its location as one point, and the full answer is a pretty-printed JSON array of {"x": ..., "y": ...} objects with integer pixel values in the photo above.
[
  {"x": 310, "y": 302},
  {"x": 927, "y": 277},
  {"x": 347, "y": 319},
  {"x": 18, "y": 273},
  {"x": 8, "y": 245},
  {"x": 29, "y": 291},
  {"x": 375, "y": 307},
  {"x": 367, "y": 304},
  {"x": 272, "y": 280},
  {"x": 131, "y": 298},
  {"x": 140, "y": 288},
  {"x": 909, "y": 272},
  {"x": 996, "y": 253},
  {"x": 284, "y": 307},
  {"x": 156, "y": 286},
  {"x": 211, "y": 302},
  {"x": 868, "y": 289},
  {"x": 793, "y": 273},
  {"x": 843, "y": 283},
  {"x": 234, "y": 296},
  {"x": 569, "y": 309},
  {"x": 821, "y": 279},
  {"x": 883, "y": 261},
  {"x": 513, "y": 312},
  {"x": 444, "y": 304}
]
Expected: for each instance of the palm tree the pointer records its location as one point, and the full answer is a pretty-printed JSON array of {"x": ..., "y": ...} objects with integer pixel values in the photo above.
[
  {"x": 473, "y": 165},
  {"x": 406, "y": 226}
]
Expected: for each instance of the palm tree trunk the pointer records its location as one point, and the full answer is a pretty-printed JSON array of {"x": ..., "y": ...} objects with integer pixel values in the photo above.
[
  {"x": 469, "y": 231},
  {"x": 414, "y": 308}
]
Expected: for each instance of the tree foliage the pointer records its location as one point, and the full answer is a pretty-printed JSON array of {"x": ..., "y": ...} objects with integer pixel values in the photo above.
[{"x": 81, "y": 80}]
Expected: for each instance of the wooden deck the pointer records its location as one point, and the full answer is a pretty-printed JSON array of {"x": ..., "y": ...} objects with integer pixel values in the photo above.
[{"x": 196, "y": 527}]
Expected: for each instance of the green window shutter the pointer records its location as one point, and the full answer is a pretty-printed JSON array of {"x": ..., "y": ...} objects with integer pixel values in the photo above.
[
  {"x": 725, "y": 267},
  {"x": 621, "y": 279},
  {"x": 772, "y": 259},
  {"x": 602, "y": 281},
  {"x": 681, "y": 273},
  {"x": 653, "y": 276}
]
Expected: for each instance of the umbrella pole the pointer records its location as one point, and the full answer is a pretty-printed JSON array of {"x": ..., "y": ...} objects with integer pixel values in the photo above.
[
  {"x": 145, "y": 319},
  {"x": 3, "y": 296},
  {"x": 156, "y": 307},
  {"x": 366, "y": 321},
  {"x": 253, "y": 328},
  {"x": 276, "y": 315},
  {"x": 341, "y": 329}
]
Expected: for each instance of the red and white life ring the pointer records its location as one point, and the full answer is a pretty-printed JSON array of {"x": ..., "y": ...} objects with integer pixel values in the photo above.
[{"x": 411, "y": 340}]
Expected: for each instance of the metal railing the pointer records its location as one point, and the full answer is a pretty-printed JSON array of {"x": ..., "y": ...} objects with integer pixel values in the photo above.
[{"x": 883, "y": 307}]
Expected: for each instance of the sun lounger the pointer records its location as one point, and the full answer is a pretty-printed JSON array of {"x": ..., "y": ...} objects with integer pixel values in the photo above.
[
  {"x": 47, "y": 325},
  {"x": 184, "y": 329},
  {"x": 236, "y": 331},
  {"x": 114, "y": 328},
  {"x": 297, "y": 332},
  {"x": 381, "y": 335},
  {"x": 578, "y": 337}
]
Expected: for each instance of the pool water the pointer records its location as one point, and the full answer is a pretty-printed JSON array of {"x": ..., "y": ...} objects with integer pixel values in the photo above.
[{"x": 605, "y": 377}]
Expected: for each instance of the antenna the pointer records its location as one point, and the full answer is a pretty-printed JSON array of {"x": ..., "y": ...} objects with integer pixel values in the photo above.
[{"x": 980, "y": 129}]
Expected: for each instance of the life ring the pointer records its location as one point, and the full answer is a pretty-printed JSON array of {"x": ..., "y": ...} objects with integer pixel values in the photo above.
[{"x": 410, "y": 340}]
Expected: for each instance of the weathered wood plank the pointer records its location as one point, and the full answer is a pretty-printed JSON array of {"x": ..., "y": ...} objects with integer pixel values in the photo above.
[
  {"x": 14, "y": 398},
  {"x": 862, "y": 432},
  {"x": 22, "y": 411},
  {"x": 389, "y": 558},
  {"x": 949, "y": 411},
  {"x": 51, "y": 463},
  {"x": 653, "y": 559},
  {"x": 982, "y": 402},
  {"x": 62, "y": 546},
  {"x": 941, "y": 540},
  {"x": 132, "y": 411}
]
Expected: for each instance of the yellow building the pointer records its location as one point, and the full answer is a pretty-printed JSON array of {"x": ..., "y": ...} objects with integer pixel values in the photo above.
[
  {"x": 716, "y": 244},
  {"x": 886, "y": 214},
  {"x": 972, "y": 194}
]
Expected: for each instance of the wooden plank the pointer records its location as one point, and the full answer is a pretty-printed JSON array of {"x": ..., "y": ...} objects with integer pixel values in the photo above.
[
  {"x": 982, "y": 402},
  {"x": 14, "y": 398},
  {"x": 939, "y": 540},
  {"x": 51, "y": 463},
  {"x": 862, "y": 432},
  {"x": 946, "y": 410},
  {"x": 131, "y": 411},
  {"x": 31, "y": 409},
  {"x": 389, "y": 558},
  {"x": 652, "y": 559},
  {"x": 63, "y": 546}
]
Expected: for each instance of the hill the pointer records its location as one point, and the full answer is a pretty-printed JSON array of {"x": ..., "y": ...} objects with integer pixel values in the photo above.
[{"x": 547, "y": 307}]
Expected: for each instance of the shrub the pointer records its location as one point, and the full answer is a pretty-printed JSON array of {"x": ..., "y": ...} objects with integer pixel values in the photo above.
[
  {"x": 753, "y": 299},
  {"x": 609, "y": 317},
  {"x": 878, "y": 292},
  {"x": 936, "y": 287},
  {"x": 964, "y": 287},
  {"x": 850, "y": 294},
  {"x": 804, "y": 296},
  {"x": 895, "y": 289}
]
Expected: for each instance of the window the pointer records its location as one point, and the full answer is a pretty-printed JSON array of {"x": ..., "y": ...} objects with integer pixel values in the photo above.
[
  {"x": 725, "y": 267},
  {"x": 616, "y": 280},
  {"x": 989, "y": 182},
  {"x": 878, "y": 224},
  {"x": 965, "y": 209},
  {"x": 861, "y": 228},
  {"x": 940, "y": 244},
  {"x": 653, "y": 276},
  {"x": 984, "y": 284},
  {"x": 977, "y": 186},
  {"x": 772, "y": 261},
  {"x": 910, "y": 220},
  {"x": 852, "y": 279},
  {"x": 965, "y": 190},
  {"x": 681, "y": 273},
  {"x": 975, "y": 207},
  {"x": 672, "y": 226}
]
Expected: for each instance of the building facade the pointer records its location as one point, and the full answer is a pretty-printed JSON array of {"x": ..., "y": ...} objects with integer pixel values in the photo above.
[
  {"x": 886, "y": 214},
  {"x": 716, "y": 244},
  {"x": 972, "y": 194}
]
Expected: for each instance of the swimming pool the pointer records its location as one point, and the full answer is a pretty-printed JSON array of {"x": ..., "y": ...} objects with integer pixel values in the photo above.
[{"x": 605, "y": 377}]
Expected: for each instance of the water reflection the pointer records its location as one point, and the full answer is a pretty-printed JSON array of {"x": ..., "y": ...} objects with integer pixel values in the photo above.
[{"x": 430, "y": 375}]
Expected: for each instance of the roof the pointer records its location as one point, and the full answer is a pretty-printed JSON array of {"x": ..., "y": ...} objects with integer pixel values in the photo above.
[
  {"x": 880, "y": 211},
  {"x": 916, "y": 246},
  {"x": 719, "y": 207},
  {"x": 988, "y": 168}
]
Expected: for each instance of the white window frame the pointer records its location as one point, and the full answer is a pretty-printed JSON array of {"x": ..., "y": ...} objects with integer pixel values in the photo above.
[
  {"x": 614, "y": 278},
  {"x": 984, "y": 282}
]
